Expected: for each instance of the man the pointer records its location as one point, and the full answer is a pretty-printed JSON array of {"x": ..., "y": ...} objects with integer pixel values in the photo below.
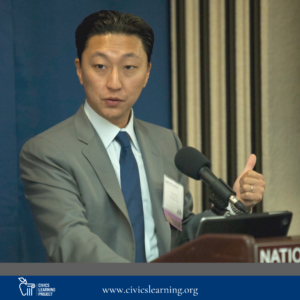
[{"x": 95, "y": 181}]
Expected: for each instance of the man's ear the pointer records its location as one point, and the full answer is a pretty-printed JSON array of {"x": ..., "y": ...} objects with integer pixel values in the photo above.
[
  {"x": 148, "y": 73},
  {"x": 79, "y": 70}
]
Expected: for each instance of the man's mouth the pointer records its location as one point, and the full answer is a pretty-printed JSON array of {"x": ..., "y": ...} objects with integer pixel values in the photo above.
[{"x": 112, "y": 101}]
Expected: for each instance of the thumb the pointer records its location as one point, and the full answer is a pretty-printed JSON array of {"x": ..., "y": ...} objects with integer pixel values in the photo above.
[
  {"x": 250, "y": 163},
  {"x": 249, "y": 166}
]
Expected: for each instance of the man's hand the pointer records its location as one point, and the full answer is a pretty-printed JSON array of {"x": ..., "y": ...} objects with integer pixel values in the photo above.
[{"x": 250, "y": 185}]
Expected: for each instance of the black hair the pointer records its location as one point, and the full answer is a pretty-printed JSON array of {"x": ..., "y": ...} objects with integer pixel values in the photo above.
[{"x": 113, "y": 22}]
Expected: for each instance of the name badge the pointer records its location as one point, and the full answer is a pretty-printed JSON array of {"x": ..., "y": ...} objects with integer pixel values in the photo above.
[{"x": 173, "y": 202}]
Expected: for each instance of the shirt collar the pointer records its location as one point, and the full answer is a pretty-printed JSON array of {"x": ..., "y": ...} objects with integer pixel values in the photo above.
[{"x": 108, "y": 131}]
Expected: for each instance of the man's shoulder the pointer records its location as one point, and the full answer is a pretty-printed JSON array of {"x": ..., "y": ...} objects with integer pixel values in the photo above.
[
  {"x": 61, "y": 136},
  {"x": 58, "y": 134},
  {"x": 75, "y": 128},
  {"x": 62, "y": 128},
  {"x": 164, "y": 137},
  {"x": 153, "y": 128}
]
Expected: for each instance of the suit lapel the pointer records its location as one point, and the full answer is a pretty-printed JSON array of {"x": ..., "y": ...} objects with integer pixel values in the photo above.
[
  {"x": 153, "y": 162},
  {"x": 97, "y": 156}
]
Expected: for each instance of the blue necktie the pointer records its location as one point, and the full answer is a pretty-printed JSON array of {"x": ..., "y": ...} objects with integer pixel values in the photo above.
[{"x": 131, "y": 189}]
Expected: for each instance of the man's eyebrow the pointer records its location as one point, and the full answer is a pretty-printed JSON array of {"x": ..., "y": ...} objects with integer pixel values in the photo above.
[
  {"x": 101, "y": 54},
  {"x": 131, "y": 55}
]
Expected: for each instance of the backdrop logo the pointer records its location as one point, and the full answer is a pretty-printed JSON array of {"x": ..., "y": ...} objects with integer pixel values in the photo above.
[{"x": 26, "y": 288}]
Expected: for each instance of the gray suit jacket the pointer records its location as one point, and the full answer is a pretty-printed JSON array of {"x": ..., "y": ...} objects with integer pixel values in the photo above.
[{"x": 76, "y": 199}]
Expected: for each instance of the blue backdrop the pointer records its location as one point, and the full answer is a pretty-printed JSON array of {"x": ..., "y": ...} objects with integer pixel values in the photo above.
[{"x": 39, "y": 88}]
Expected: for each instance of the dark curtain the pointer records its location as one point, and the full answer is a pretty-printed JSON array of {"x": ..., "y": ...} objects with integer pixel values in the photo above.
[{"x": 39, "y": 88}]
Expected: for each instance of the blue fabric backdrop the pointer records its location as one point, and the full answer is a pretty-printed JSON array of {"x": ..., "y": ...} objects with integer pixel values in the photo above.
[{"x": 39, "y": 88}]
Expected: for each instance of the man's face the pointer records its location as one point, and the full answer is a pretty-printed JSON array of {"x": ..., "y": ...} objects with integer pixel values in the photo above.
[{"x": 113, "y": 71}]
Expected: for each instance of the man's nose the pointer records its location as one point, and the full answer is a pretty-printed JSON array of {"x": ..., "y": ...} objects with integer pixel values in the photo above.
[{"x": 113, "y": 81}]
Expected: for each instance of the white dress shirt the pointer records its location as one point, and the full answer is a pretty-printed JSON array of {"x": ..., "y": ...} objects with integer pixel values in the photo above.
[{"x": 107, "y": 133}]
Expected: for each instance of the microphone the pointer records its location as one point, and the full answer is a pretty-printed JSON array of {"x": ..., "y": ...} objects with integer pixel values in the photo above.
[{"x": 196, "y": 165}]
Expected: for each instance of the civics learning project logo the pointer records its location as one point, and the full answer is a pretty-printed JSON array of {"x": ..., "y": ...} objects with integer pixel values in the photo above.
[
  {"x": 25, "y": 287},
  {"x": 43, "y": 289}
]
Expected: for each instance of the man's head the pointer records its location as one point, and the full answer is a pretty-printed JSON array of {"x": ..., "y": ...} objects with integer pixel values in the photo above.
[
  {"x": 113, "y": 63},
  {"x": 113, "y": 22}
]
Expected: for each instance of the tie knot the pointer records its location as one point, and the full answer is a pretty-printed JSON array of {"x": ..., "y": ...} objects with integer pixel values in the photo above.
[{"x": 123, "y": 139}]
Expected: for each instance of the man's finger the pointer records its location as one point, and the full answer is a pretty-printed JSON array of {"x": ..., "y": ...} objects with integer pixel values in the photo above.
[
  {"x": 248, "y": 196},
  {"x": 252, "y": 180},
  {"x": 256, "y": 189},
  {"x": 250, "y": 163}
]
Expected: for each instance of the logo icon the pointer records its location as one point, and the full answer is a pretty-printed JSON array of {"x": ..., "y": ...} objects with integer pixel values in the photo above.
[{"x": 26, "y": 288}]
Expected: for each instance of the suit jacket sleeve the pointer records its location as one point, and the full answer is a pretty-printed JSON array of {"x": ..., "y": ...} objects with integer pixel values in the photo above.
[{"x": 54, "y": 199}]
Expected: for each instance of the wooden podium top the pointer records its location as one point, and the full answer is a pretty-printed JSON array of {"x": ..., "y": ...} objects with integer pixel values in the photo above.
[{"x": 235, "y": 248}]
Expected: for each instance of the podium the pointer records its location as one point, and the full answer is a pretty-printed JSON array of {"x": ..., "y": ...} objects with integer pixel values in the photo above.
[{"x": 235, "y": 248}]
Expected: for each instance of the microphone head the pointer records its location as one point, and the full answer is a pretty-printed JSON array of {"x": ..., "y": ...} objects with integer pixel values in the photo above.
[{"x": 189, "y": 161}]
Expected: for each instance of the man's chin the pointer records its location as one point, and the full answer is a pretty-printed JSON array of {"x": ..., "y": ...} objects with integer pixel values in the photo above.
[{"x": 119, "y": 120}]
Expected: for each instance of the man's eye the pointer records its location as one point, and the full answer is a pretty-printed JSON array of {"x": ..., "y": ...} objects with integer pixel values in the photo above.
[
  {"x": 100, "y": 66},
  {"x": 129, "y": 67}
]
